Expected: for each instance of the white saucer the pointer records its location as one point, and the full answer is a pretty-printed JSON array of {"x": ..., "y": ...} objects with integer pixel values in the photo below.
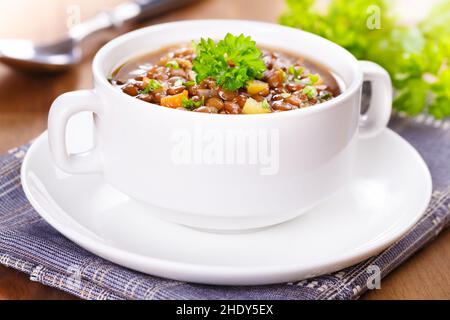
[{"x": 389, "y": 194}]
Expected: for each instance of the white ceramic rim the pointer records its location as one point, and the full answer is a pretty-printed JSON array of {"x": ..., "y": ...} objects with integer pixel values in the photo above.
[
  {"x": 101, "y": 79},
  {"x": 240, "y": 273}
]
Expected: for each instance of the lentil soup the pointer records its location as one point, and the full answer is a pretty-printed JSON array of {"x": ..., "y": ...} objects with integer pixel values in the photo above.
[{"x": 255, "y": 80}]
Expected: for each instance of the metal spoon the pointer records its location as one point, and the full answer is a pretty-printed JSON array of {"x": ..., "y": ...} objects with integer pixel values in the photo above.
[{"x": 24, "y": 54}]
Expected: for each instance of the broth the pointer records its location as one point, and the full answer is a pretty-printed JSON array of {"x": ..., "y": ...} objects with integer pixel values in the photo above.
[{"x": 166, "y": 77}]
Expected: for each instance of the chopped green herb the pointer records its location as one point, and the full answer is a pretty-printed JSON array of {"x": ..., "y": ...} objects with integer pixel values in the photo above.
[
  {"x": 265, "y": 105},
  {"x": 310, "y": 91},
  {"x": 191, "y": 104},
  {"x": 151, "y": 86},
  {"x": 232, "y": 61},
  {"x": 189, "y": 83},
  {"x": 296, "y": 72},
  {"x": 325, "y": 95},
  {"x": 172, "y": 64},
  {"x": 292, "y": 70},
  {"x": 313, "y": 78}
]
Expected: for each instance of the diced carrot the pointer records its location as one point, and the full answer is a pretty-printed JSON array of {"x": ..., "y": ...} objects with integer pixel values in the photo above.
[{"x": 174, "y": 101}]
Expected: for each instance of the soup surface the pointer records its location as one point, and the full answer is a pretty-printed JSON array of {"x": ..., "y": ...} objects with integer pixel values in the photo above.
[{"x": 243, "y": 80}]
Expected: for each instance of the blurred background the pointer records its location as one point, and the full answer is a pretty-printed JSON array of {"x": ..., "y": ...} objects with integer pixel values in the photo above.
[
  {"x": 384, "y": 31},
  {"x": 47, "y": 20}
]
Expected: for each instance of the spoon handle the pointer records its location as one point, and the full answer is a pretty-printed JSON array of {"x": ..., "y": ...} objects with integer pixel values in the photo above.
[{"x": 132, "y": 11}]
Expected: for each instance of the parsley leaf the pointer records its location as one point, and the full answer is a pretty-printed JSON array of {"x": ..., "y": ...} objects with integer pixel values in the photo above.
[
  {"x": 191, "y": 104},
  {"x": 232, "y": 61},
  {"x": 296, "y": 71},
  {"x": 152, "y": 85},
  {"x": 188, "y": 83},
  {"x": 310, "y": 91},
  {"x": 172, "y": 64},
  {"x": 265, "y": 104},
  {"x": 313, "y": 78}
]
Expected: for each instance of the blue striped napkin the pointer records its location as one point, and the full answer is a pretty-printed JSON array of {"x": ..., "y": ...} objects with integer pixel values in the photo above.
[{"x": 29, "y": 244}]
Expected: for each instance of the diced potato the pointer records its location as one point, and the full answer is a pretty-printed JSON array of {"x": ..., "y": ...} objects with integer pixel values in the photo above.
[
  {"x": 256, "y": 86},
  {"x": 252, "y": 106},
  {"x": 175, "y": 101}
]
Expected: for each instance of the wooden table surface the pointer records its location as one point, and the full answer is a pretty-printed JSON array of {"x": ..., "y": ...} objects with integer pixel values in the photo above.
[{"x": 25, "y": 100}]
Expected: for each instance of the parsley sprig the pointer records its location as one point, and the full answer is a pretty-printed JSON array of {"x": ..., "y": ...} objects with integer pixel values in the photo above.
[{"x": 231, "y": 61}]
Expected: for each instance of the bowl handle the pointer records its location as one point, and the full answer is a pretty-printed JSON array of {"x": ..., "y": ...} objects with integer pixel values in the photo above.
[
  {"x": 377, "y": 116},
  {"x": 63, "y": 108}
]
